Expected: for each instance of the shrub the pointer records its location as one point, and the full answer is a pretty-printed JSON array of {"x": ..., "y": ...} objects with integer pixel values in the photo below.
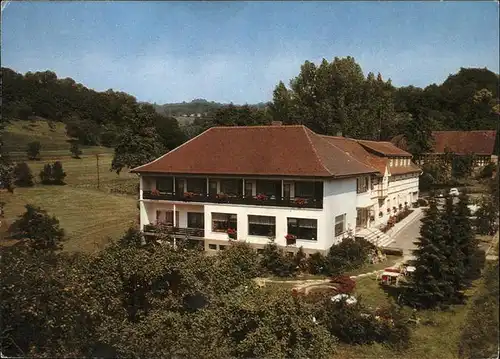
[
  {"x": 33, "y": 150},
  {"x": 53, "y": 174},
  {"x": 355, "y": 324},
  {"x": 487, "y": 171},
  {"x": 486, "y": 216},
  {"x": 41, "y": 229},
  {"x": 23, "y": 175},
  {"x": 241, "y": 257},
  {"x": 75, "y": 150},
  {"x": 318, "y": 264},
  {"x": 349, "y": 254},
  {"x": 274, "y": 261},
  {"x": 300, "y": 260}
]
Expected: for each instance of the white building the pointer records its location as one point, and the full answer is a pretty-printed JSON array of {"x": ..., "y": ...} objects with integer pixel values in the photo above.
[{"x": 271, "y": 181}]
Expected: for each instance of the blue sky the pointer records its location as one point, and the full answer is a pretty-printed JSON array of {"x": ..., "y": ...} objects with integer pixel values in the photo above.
[{"x": 238, "y": 51}]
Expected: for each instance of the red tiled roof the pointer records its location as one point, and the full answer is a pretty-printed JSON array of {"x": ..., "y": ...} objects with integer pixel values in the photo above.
[
  {"x": 384, "y": 148},
  {"x": 353, "y": 148},
  {"x": 258, "y": 150},
  {"x": 464, "y": 142}
]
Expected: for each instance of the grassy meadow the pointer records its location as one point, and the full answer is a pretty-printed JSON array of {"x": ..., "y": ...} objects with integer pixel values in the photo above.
[{"x": 87, "y": 213}]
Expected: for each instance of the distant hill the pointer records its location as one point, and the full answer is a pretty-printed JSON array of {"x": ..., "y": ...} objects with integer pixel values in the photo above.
[{"x": 193, "y": 109}]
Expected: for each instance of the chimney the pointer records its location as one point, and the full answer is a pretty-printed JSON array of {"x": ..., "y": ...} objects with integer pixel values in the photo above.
[{"x": 276, "y": 123}]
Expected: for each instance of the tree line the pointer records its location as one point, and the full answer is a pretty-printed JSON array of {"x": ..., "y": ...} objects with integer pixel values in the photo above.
[{"x": 330, "y": 98}]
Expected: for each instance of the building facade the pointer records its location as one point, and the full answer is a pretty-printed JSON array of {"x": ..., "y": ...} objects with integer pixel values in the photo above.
[{"x": 277, "y": 183}]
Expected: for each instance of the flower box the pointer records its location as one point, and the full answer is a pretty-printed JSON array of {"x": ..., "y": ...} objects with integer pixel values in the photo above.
[
  {"x": 290, "y": 239},
  {"x": 261, "y": 197},
  {"x": 155, "y": 192},
  {"x": 188, "y": 195},
  {"x": 231, "y": 233},
  {"x": 300, "y": 201},
  {"x": 221, "y": 196}
]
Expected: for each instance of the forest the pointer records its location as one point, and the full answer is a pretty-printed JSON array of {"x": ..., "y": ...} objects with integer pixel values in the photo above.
[{"x": 330, "y": 98}]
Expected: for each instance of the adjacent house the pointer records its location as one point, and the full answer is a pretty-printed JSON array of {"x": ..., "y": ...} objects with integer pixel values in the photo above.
[
  {"x": 281, "y": 183},
  {"x": 482, "y": 144}
]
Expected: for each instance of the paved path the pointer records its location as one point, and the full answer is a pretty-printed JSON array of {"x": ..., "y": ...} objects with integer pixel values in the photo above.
[{"x": 405, "y": 238}]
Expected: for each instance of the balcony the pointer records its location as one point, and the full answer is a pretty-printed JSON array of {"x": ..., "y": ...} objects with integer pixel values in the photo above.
[
  {"x": 254, "y": 201},
  {"x": 176, "y": 231},
  {"x": 382, "y": 192}
]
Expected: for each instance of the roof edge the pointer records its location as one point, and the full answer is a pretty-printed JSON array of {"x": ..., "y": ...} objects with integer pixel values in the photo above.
[{"x": 137, "y": 169}]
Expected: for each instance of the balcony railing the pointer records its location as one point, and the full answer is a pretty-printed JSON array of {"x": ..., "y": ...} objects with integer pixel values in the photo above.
[
  {"x": 177, "y": 231},
  {"x": 382, "y": 192},
  {"x": 256, "y": 201}
]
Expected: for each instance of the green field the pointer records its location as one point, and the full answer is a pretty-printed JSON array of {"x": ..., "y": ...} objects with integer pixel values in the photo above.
[
  {"x": 89, "y": 213},
  {"x": 55, "y": 143}
]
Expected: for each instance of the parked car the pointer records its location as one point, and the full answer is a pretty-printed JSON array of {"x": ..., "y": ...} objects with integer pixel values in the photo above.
[{"x": 454, "y": 192}]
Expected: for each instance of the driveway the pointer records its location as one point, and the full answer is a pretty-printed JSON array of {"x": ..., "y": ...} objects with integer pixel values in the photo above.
[{"x": 409, "y": 234}]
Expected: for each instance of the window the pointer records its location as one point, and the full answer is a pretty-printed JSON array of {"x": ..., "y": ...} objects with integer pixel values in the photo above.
[
  {"x": 196, "y": 220},
  {"x": 231, "y": 186},
  {"x": 260, "y": 251},
  {"x": 248, "y": 189},
  {"x": 287, "y": 187},
  {"x": 304, "y": 189},
  {"x": 362, "y": 184},
  {"x": 303, "y": 228},
  {"x": 212, "y": 246},
  {"x": 165, "y": 184},
  {"x": 179, "y": 184},
  {"x": 339, "y": 224},
  {"x": 197, "y": 185},
  {"x": 212, "y": 187},
  {"x": 221, "y": 222},
  {"x": 390, "y": 162},
  {"x": 269, "y": 188},
  {"x": 222, "y": 247},
  {"x": 167, "y": 217},
  {"x": 261, "y": 226}
]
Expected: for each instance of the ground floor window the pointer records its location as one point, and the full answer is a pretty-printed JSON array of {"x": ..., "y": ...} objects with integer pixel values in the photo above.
[
  {"x": 196, "y": 220},
  {"x": 212, "y": 246},
  {"x": 303, "y": 228},
  {"x": 261, "y": 226},
  {"x": 221, "y": 222},
  {"x": 167, "y": 217},
  {"x": 340, "y": 224}
]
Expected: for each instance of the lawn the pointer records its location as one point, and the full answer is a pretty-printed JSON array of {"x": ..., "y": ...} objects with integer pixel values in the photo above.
[
  {"x": 87, "y": 216},
  {"x": 438, "y": 338},
  {"x": 87, "y": 213}
]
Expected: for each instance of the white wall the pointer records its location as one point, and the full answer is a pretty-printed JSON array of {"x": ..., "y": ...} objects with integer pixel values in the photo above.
[{"x": 339, "y": 197}]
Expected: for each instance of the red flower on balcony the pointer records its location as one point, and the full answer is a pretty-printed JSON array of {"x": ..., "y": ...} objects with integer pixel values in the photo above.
[
  {"x": 290, "y": 239},
  {"x": 231, "y": 232},
  {"x": 188, "y": 195},
  {"x": 261, "y": 197},
  {"x": 155, "y": 192},
  {"x": 300, "y": 201}
]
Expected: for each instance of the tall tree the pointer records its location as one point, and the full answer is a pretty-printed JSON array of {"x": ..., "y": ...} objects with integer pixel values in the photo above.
[{"x": 431, "y": 285}]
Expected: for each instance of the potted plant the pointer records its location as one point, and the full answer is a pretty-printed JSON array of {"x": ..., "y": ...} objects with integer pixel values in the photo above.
[
  {"x": 231, "y": 233},
  {"x": 300, "y": 201},
  {"x": 261, "y": 197},
  {"x": 188, "y": 195},
  {"x": 155, "y": 192},
  {"x": 290, "y": 239}
]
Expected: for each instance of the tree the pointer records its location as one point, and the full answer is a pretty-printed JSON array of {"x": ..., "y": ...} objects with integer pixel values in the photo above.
[
  {"x": 75, "y": 150},
  {"x": 23, "y": 175},
  {"x": 431, "y": 285},
  {"x": 462, "y": 165},
  {"x": 39, "y": 228},
  {"x": 7, "y": 177},
  {"x": 34, "y": 150},
  {"x": 466, "y": 239},
  {"x": 486, "y": 216},
  {"x": 53, "y": 174}
]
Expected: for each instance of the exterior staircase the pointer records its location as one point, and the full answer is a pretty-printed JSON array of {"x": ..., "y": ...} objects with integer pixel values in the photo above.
[{"x": 375, "y": 236}]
